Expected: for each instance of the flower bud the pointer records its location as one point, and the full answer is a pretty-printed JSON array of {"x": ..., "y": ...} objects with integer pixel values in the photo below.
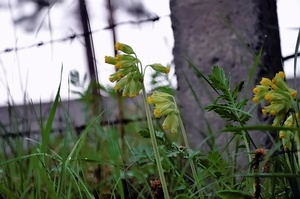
[
  {"x": 110, "y": 60},
  {"x": 125, "y": 58},
  {"x": 160, "y": 68},
  {"x": 265, "y": 81},
  {"x": 124, "y": 48},
  {"x": 116, "y": 76},
  {"x": 171, "y": 122},
  {"x": 124, "y": 64}
]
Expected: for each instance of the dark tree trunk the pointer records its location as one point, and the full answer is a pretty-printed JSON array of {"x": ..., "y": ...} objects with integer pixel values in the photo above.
[
  {"x": 225, "y": 33},
  {"x": 95, "y": 100}
]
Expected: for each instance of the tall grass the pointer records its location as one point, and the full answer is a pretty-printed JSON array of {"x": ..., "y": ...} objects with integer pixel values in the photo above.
[{"x": 93, "y": 164}]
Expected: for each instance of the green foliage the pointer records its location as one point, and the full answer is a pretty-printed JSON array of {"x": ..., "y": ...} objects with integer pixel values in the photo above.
[
  {"x": 97, "y": 163},
  {"x": 234, "y": 194},
  {"x": 227, "y": 104},
  {"x": 215, "y": 163}
]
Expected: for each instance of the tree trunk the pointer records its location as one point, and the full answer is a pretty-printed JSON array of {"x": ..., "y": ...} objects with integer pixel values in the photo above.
[{"x": 225, "y": 33}]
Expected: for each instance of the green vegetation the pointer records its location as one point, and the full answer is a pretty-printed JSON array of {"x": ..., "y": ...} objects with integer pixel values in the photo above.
[{"x": 157, "y": 161}]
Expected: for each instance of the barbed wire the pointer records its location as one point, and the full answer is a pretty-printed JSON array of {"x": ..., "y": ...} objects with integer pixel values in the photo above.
[{"x": 75, "y": 35}]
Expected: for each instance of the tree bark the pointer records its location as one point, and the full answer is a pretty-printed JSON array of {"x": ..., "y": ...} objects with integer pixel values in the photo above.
[{"x": 225, "y": 33}]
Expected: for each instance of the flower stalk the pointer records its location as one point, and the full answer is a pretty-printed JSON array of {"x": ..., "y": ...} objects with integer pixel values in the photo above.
[
  {"x": 155, "y": 146},
  {"x": 130, "y": 79}
]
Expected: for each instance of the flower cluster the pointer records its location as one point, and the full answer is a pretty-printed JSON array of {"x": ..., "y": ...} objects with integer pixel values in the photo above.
[
  {"x": 288, "y": 137},
  {"x": 278, "y": 94},
  {"x": 128, "y": 76},
  {"x": 165, "y": 106}
]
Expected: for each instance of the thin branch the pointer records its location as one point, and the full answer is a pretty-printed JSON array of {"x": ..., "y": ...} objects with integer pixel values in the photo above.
[{"x": 290, "y": 57}]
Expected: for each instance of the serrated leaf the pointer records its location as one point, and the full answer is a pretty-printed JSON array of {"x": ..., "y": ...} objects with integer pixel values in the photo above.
[
  {"x": 230, "y": 194},
  {"x": 238, "y": 88},
  {"x": 218, "y": 79},
  {"x": 223, "y": 110},
  {"x": 242, "y": 103}
]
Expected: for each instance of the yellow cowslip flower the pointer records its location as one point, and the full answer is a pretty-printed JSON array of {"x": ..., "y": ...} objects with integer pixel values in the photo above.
[
  {"x": 124, "y": 48},
  {"x": 122, "y": 83},
  {"x": 293, "y": 93},
  {"x": 273, "y": 112},
  {"x": 124, "y": 64},
  {"x": 116, "y": 76},
  {"x": 274, "y": 87},
  {"x": 156, "y": 113},
  {"x": 125, "y": 58},
  {"x": 273, "y": 108},
  {"x": 266, "y": 82},
  {"x": 171, "y": 122},
  {"x": 281, "y": 115},
  {"x": 133, "y": 88},
  {"x": 281, "y": 135},
  {"x": 159, "y": 97},
  {"x": 259, "y": 93},
  {"x": 264, "y": 111},
  {"x": 268, "y": 97},
  {"x": 287, "y": 139},
  {"x": 275, "y": 96},
  {"x": 289, "y": 122},
  {"x": 281, "y": 74},
  {"x": 256, "y": 90},
  {"x": 110, "y": 60},
  {"x": 165, "y": 106},
  {"x": 160, "y": 68},
  {"x": 255, "y": 99},
  {"x": 280, "y": 83},
  {"x": 129, "y": 78},
  {"x": 131, "y": 84},
  {"x": 280, "y": 97}
]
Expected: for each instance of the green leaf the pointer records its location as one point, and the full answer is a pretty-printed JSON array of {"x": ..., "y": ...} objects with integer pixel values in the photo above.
[
  {"x": 219, "y": 81},
  {"x": 258, "y": 127},
  {"x": 145, "y": 133},
  {"x": 234, "y": 194},
  {"x": 46, "y": 131},
  {"x": 242, "y": 103},
  {"x": 200, "y": 74},
  {"x": 238, "y": 88},
  {"x": 182, "y": 196},
  {"x": 242, "y": 146},
  {"x": 7, "y": 192},
  {"x": 229, "y": 108}
]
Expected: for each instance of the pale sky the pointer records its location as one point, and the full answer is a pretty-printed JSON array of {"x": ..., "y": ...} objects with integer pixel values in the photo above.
[
  {"x": 289, "y": 22},
  {"x": 36, "y": 71}
]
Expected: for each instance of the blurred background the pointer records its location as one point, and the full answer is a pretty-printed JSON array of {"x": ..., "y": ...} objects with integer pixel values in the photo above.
[{"x": 40, "y": 37}]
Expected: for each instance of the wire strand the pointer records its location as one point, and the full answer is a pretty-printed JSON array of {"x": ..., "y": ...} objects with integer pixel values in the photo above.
[{"x": 73, "y": 36}]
